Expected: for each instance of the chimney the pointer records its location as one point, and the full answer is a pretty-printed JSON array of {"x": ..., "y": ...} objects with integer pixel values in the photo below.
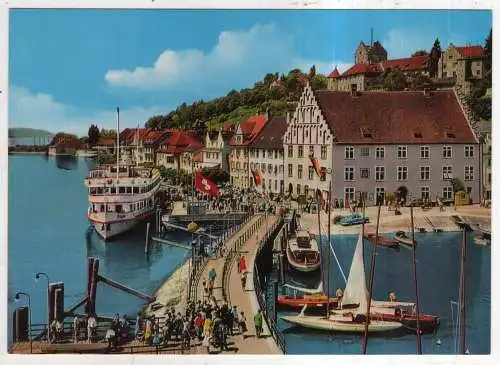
[
  {"x": 427, "y": 92},
  {"x": 354, "y": 90}
]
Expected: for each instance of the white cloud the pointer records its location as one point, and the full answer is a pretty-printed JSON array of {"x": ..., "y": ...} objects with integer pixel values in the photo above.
[
  {"x": 401, "y": 43},
  {"x": 38, "y": 110},
  {"x": 238, "y": 58}
]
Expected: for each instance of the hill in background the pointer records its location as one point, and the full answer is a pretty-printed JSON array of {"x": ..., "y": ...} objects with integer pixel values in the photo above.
[{"x": 28, "y": 133}]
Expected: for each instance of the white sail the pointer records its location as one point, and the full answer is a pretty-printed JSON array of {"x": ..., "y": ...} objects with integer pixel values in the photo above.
[{"x": 355, "y": 291}]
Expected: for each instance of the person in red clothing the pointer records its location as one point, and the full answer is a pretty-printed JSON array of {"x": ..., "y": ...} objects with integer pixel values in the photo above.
[{"x": 242, "y": 266}]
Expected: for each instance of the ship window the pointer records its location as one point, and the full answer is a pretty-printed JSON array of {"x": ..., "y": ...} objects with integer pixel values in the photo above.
[
  {"x": 119, "y": 209},
  {"x": 102, "y": 208},
  {"x": 129, "y": 190},
  {"x": 113, "y": 190},
  {"x": 136, "y": 190},
  {"x": 131, "y": 207},
  {"x": 121, "y": 190}
]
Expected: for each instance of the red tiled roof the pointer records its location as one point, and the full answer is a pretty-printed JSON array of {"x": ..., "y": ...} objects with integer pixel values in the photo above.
[
  {"x": 179, "y": 142},
  {"x": 362, "y": 68},
  {"x": 471, "y": 51},
  {"x": 68, "y": 143},
  {"x": 250, "y": 128},
  {"x": 270, "y": 136},
  {"x": 395, "y": 117},
  {"x": 107, "y": 142},
  {"x": 407, "y": 64},
  {"x": 335, "y": 73}
]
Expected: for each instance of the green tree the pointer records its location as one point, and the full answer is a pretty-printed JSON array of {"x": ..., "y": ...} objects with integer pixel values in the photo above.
[
  {"x": 433, "y": 62},
  {"x": 107, "y": 133},
  {"x": 318, "y": 82},
  {"x": 312, "y": 71},
  {"x": 457, "y": 185},
  {"x": 420, "y": 52},
  {"x": 169, "y": 174},
  {"x": 488, "y": 51},
  {"x": 93, "y": 134},
  {"x": 395, "y": 80}
]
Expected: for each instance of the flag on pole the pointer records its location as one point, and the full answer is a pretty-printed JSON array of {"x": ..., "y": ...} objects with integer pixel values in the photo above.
[
  {"x": 205, "y": 185},
  {"x": 257, "y": 176},
  {"x": 315, "y": 165}
]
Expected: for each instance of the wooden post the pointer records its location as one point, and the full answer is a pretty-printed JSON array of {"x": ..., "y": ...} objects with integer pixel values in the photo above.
[
  {"x": 275, "y": 301},
  {"x": 282, "y": 267},
  {"x": 146, "y": 243}
]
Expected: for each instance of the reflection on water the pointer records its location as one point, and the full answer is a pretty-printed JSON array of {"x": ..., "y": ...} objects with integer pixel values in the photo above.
[
  {"x": 66, "y": 162},
  {"x": 438, "y": 266}
]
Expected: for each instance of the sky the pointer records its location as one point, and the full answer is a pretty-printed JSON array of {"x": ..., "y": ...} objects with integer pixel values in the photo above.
[{"x": 72, "y": 68}]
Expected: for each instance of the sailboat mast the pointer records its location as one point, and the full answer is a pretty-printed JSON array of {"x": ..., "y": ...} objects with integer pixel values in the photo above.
[
  {"x": 463, "y": 349},
  {"x": 117, "y": 143},
  {"x": 419, "y": 334},
  {"x": 372, "y": 274},
  {"x": 318, "y": 197},
  {"x": 328, "y": 249}
]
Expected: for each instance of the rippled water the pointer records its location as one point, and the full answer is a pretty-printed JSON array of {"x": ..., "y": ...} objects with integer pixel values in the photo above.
[{"x": 438, "y": 257}]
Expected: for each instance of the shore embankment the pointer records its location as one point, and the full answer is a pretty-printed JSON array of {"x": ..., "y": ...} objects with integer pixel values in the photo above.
[
  {"x": 173, "y": 292},
  {"x": 389, "y": 222}
]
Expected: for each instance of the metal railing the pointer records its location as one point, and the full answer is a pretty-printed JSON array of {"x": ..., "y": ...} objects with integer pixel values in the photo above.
[{"x": 260, "y": 273}]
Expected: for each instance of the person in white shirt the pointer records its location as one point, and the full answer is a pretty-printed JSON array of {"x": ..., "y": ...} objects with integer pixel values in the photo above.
[{"x": 91, "y": 327}]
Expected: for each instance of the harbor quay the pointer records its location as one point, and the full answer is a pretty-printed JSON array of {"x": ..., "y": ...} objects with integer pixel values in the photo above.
[{"x": 245, "y": 240}]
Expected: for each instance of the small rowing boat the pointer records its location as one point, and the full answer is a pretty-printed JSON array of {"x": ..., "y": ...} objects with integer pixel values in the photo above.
[
  {"x": 382, "y": 241},
  {"x": 403, "y": 238}
]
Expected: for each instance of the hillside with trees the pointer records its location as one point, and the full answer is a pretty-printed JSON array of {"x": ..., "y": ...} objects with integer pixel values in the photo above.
[
  {"x": 277, "y": 93},
  {"x": 28, "y": 133}
]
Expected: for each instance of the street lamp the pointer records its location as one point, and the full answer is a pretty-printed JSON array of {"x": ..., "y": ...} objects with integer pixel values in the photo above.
[
  {"x": 37, "y": 278},
  {"x": 16, "y": 298}
]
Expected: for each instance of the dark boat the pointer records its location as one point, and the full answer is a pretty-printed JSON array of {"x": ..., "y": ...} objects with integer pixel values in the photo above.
[
  {"x": 403, "y": 238},
  {"x": 382, "y": 241}
]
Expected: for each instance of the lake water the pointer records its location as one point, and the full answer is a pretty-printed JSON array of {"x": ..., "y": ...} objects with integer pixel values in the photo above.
[
  {"x": 438, "y": 256},
  {"x": 47, "y": 232}
]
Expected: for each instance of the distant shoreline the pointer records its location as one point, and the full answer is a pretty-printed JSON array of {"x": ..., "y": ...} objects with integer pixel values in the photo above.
[{"x": 27, "y": 152}]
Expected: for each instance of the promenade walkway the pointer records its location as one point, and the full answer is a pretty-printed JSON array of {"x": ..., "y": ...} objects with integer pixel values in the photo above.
[{"x": 246, "y": 300}]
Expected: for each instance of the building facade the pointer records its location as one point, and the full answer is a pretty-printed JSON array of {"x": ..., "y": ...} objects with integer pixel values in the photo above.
[
  {"x": 178, "y": 152},
  {"x": 239, "y": 158},
  {"x": 213, "y": 153},
  {"x": 382, "y": 141},
  {"x": 266, "y": 156},
  {"x": 484, "y": 134}
]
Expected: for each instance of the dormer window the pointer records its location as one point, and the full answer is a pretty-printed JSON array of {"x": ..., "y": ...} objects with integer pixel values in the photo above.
[
  {"x": 417, "y": 134},
  {"x": 366, "y": 133},
  {"x": 450, "y": 135}
]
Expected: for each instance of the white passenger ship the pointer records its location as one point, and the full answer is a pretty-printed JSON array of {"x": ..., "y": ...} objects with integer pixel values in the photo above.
[
  {"x": 119, "y": 202},
  {"x": 120, "y": 195}
]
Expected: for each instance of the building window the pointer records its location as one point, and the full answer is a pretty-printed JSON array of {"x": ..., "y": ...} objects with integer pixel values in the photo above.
[
  {"x": 348, "y": 173},
  {"x": 323, "y": 174},
  {"x": 447, "y": 192},
  {"x": 290, "y": 151},
  {"x": 349, "y": 153},
  {"x": 425, "y": 173},
  {"x": 425, "y": 192},
  {"x": 290, "y": 170},
  {"x": 364, "y": 151},
  {"x": 469, "y": 151},
  {"x": 324, "y": 153},
  {"x": 469, "y": 173},
  {"x": 349, "y": 193},
  {"x": 298, "y": 189},
  {"x": 270, "y": 168},
  {"x": 364, "y": 173},
  {"x": 379, "y": 195},
  {"x": 311, "y": 173},
  {"x": 311, "y": 150},
  {"x": 269, "y": 154},
  {"x": 306, "y": 190},
  {"x": 402, "y": 152},
  {"x": 447, "y": 172},
  {"x": 380, "y": 153},
  {"x": 489, "y": 178},
  {"x": 402, "y": 173},
  {"x": 275, "y": 153},
  {"x": 425, "y": 152},
  {"x": 275, "y": 185},
  {"x": 299, "y": 172},
  {"x": 446, "y": 151},
  {"x": 301, "y": 151},
  {"x": 379, "y": 173}
]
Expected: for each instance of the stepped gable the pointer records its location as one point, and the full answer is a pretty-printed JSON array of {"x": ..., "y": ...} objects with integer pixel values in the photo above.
[
  {"x": 395, "y": 117},
  {"x": 271, "y": 136}
]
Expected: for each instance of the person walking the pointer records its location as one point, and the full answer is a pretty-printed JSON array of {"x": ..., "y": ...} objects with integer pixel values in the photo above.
[
  {"x": 242, "y": 265},
  {"x": 211, "y": 279},
  {"x": 76, "y": 325},
  {"x": 243, "y": 280},
  {"x": 257, "y": 321}
]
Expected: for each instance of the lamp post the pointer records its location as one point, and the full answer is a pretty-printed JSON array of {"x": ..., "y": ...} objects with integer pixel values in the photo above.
[
  {"x": 37, "y": 277},
  {"x": 16, "y": 298}
]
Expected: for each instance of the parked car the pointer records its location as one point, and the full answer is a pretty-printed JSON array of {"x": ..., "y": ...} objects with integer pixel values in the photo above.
[{"x": 354, "y": 219}]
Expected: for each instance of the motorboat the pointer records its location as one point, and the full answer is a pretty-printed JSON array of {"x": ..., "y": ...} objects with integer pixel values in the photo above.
[{"x": 303, "y": 252}]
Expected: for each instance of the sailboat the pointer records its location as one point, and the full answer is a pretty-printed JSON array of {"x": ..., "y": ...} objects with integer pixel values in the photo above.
[{"x": 354, "y": 305}]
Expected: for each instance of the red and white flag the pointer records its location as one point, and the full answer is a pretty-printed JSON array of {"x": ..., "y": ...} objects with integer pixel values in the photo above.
[{"x": 205, "y": 185}]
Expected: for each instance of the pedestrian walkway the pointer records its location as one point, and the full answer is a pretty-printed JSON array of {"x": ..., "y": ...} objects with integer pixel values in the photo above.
[{"x": 246, "y": 301}]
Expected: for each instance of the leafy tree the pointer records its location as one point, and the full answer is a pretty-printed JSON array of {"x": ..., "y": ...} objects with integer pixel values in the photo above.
[
  {"x": 433, "y": 62},
  {"x": 93, "y": 134},
  {"x": 318, "y": 82},
  {"x": 457, "y": 185},
  {"x": 63, "y": 135},
  {"x": 488, "y": 51},
  {"x": 169, "y": 174},
  {"x": 107, "y": 133},
  {"x": 419, "y": 81},
  {"x": 312, "y": 71},
  {"x": 395, "y": 80},
  {"x": 420, "y": 52}
]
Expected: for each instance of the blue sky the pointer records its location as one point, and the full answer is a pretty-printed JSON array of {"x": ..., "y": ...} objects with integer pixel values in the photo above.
[{"x": 71, "y": 68}]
